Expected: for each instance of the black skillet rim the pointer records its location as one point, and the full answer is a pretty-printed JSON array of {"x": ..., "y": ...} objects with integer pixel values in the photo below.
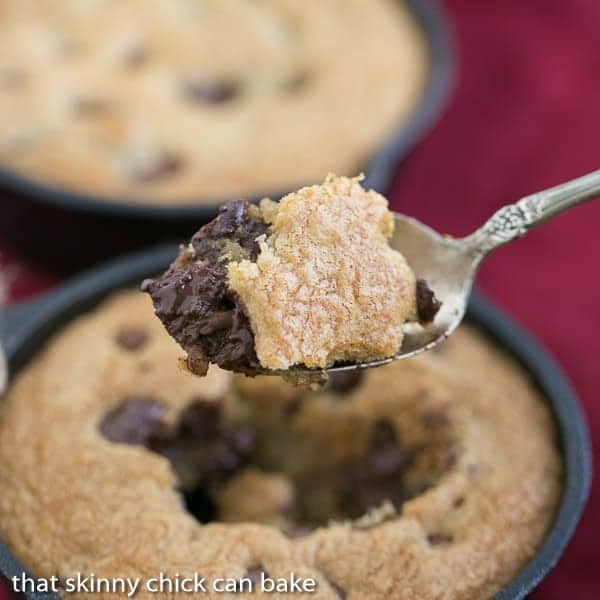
[
  {"x": 379, "y": 170},
  {"x": 27, "y": 325}
]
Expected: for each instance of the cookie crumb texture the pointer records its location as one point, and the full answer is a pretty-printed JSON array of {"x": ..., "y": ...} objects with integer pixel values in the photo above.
[
  {"x": 425, "y": 479},
  {"x": 326, "y": 285},
  {"x": 191, "y": 101},
  {"x": 309, "y": 281}
]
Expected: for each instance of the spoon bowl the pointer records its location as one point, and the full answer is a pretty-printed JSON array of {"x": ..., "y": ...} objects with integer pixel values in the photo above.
[
  {"x": 449, "y": 265},
  {"x": 449, "y": 270}
]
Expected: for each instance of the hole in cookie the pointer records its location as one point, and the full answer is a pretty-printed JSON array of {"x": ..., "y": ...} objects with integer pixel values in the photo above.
[
  {"x": 200, "y": 505},
  {"x": 325, "y": 486},
  {"x": 202, "y": 447},
  {"x": 132, "y": 339},
  {"x": 378, "y": 475},
  {"x": 254, "y": 465},
  {"x": 210, "y": 90}
]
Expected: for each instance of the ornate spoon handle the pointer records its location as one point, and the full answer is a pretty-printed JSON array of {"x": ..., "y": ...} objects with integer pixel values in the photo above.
[{"x": 515, "y": 220}]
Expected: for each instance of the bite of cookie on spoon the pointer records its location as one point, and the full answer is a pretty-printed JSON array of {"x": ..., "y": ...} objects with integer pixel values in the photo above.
[{"x": 330, "y": 280}]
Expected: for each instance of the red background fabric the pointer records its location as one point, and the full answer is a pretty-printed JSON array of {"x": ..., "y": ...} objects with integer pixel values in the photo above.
[{"x": 525, "y": 115}]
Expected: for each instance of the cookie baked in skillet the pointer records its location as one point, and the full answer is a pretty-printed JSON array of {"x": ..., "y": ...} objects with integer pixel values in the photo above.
[
  {"x": 436, "y": 477},
  {"x": 179, "y": 101}
]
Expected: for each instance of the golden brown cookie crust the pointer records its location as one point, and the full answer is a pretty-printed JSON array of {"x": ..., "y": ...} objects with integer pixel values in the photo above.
[
  {"x": 326, "y": 285},
  {"x": 97, "y": 97},
  {"x": 74, "y": 502}
]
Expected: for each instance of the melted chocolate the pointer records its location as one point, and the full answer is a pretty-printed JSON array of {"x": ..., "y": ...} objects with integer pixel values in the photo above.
[
  {"x": 132, "y": 339},
  {"x": 204, "y": 90},
  {"x": 136, "y": 421},
  {"x": 427, "y": 304},
  {"x": 342, "y": 382},
  {"x": 195, "y": 303},
  {"x": 378, "y": 475},
  {"x": 204, "y": 450}
]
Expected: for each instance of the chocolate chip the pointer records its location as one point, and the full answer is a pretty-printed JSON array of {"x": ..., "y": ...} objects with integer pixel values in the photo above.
[
  {"x": 136, "y": 421},
  {"x": 475, "y": 470},
  {"x": 298, "y": 81},
  {"x": 200, "y": 503},
  {"x": 386, "y": 457},
  {"x": 459, "y": 502},
  {"x": 451, "y": 458},
  {"x": 298, "y": 531},
  {"x": 91, "y": 107},
  {"x": 203, "y": 449},
  {"x": 136, "y": 57},
  {"x": 163, "y": 166},
  {"x": 12, "y": 80},
  {"x": 132, "y": 339},
  {"x": 369, "y": 480},
  {"x": 435, "y": 420},
  {"x": 196, "y": 362},
  {"x": 293, "y": 406},
  {"x": 342, "y": 382},
  {"x": 427, "y": 304},
  {"x": 439, "y": 539},
  {"x": 234, "y": 223},
  {"x": 206, "y": 90},
  {"x": 195, "y": 303}
]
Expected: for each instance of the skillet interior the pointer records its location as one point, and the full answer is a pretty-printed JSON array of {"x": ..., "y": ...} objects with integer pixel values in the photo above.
[{"x": 27, "y": 326}]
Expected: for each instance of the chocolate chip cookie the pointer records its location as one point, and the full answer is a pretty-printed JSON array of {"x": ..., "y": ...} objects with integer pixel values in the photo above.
[
  {"x": 196, "y": 101},
  {"x": 436, "y": 477}
]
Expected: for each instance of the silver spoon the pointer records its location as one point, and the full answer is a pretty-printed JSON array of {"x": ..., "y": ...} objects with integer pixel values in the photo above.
[{"x": 449, "y": 265}]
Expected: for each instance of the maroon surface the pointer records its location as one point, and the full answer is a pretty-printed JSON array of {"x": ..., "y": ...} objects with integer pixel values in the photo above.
[{"x": 526, "y": 115}]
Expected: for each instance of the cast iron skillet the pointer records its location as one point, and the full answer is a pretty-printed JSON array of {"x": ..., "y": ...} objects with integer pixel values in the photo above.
[
  {"x": 67, "y": 230},
  {"x": 28, "y": 326}
]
